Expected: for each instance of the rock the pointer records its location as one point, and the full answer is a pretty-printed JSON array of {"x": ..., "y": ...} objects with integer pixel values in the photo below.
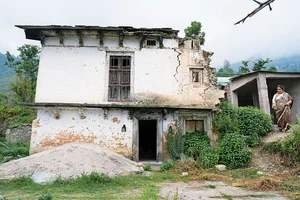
[
  {"x": 260, "y": 173},
  {"x": 2, "y": 198},
  {"x": 221, "y": 167},
  {"x": 44, "y": 177}
]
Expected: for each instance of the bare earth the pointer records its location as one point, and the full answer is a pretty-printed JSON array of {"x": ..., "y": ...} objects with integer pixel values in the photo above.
[
  {"x": 194, "y": 190},
  {"x": 71, "y": 160}
]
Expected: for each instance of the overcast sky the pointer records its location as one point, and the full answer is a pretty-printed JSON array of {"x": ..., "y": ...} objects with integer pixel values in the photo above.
[{"x": 269, "y": 34}]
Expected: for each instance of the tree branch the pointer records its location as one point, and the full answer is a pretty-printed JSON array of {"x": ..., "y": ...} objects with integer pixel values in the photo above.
[{"x": 261, "y": 6}]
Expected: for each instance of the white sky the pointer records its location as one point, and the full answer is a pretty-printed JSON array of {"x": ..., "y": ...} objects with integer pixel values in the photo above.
[{"x": 269, "y": 34}]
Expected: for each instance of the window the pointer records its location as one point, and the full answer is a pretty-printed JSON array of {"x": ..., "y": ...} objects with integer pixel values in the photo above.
[
  {"x": 151, "y": 43},
  {"x": 196, "y": 76},
  {"x": 119, "y": 78},
  {"x": 194, "y": 125}
]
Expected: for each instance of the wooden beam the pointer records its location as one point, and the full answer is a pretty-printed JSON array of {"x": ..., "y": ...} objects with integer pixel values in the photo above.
[{"x": 260, "y": 7}]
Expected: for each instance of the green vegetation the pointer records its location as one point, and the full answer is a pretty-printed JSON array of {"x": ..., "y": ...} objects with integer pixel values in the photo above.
[
  {"x": 248, "y": 121},
  {"x": 234, "y": 152},
  {"x": 15, "y": 150},
  {"x": 167, "y": 165},
  {"x": 26, "y": 68},
  {"x": 194, "y": 31},
  {"x": 94, "y": 186},
  {"x": 13, "y": 116},
  {"x": 226, "y": 70},
  {"x": 289, "y": 148},
  {"x": 175, "y": 143},
  {"x": 147, "y": 167},
  {"x": 46, "y": 197}
]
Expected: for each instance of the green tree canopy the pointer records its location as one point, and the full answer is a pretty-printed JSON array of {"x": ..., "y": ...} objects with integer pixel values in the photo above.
[
  {"x": 26, "y": 68},
  {"x": 194, "y": 30},
  {"x": 260, "y": 64},
  {"x": 226, "y": 71}
]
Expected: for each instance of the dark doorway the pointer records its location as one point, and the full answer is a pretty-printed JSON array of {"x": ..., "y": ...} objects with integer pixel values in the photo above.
[{"x": 147, "y": 139}]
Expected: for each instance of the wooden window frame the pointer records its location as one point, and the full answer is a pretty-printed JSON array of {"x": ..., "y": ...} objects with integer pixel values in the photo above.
[
  {"x": 195, "y": 120},
  {"x": 120, "y": 67},
  {"x": 199, "y": 72}
]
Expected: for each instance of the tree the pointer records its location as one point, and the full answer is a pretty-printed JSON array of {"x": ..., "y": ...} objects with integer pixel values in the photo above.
[
  {"x": 195, "y": 31},
  {"x": 244, "y": 68},
  {"x": 272, "y": 69},
  {"x": 26, "y": 68},
  {"x": 260, "y": 64},
  {"x": 225, "y": 71}
]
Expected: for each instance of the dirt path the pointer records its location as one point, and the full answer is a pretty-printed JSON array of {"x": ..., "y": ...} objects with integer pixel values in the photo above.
[
  {"x": 273, "y": 136},
  {"x": 211, "y": 190}
]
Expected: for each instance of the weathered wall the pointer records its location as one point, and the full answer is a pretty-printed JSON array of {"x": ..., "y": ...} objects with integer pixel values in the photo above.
[
  {"x": 21, "y": 133},
  {"x": 104, "y": 127},
  {"x": 71, "y": 73}
]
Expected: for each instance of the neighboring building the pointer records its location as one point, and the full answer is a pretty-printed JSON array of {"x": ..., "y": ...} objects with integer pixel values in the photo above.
[
  {"x": 223, "y": 80},
  {"x": 120, "y": 87},
  {"x": 257, "y": 89}
]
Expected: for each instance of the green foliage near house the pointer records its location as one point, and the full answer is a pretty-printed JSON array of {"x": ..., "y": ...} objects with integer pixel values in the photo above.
[
  {"x": 251, "y": 122},
  {"x": 289, "y": 148},
  {"x": 26, "y": 68},
  {"x": 194, "y": 30},
  {"x": 194, "y": 143},
  {"x": 13, "y": 116},
  {"x": 15, "y": 150},
  {"x": 175, "y": 143},
  {"x": 234, "y": 151}
]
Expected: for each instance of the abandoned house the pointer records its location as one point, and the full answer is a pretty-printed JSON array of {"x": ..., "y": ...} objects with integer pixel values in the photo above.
[
  {"x": 257, "y": 89},
  {"x": 120, "y": 87}
]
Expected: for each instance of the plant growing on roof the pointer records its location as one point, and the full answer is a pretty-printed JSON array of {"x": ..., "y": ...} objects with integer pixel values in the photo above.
[{"x": 194, "y": 30}]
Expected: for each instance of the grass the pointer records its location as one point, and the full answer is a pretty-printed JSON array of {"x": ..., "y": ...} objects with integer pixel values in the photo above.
[
  {"x": 133, "y": 187},
  {"x": 15, "y": 149},
  {"x": 93, "y": 186}
]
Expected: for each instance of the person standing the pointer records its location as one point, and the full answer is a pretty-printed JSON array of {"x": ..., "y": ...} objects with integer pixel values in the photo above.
[{"x": 281, "y": 104}]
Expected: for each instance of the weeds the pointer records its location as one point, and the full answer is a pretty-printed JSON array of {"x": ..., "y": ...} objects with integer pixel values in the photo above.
[{"x": 148, "y": 167}]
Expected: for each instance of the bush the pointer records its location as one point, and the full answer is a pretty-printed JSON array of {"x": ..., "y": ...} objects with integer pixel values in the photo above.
[
  {"x": 175, "y": 143},
  {"x": 147, "y": 167},
  {"x": 234, "y": 151},
  {"x": 15, "y": 149},
  {"x": 167, "y": 165},
  {"x": 248, "y": 121},
  {"x": 195, "y": 142},
  {"x": 13, "y": 116},
  {"x": 208, "y": 158},
  {"x": 288, "y": 149},
  {"x": 291, "y": 146}
]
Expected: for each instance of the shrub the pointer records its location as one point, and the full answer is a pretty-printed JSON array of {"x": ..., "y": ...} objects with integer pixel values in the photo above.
[
  {"x": 291, "y": 146},
  {"x": 234, "y": 151},
  {"x": 167, "y": 165},
  {"x": 147, "y": 167},
  {"x": 208, "y": 158},
  {"x": 248, "y": 121},
  {"x": 175, "y": 143},
  {"x": 195, "y": 142},
  {"x": 15, "y": 149}
]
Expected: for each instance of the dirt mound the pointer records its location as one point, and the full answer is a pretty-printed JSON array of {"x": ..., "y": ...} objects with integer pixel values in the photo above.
[{"x": 71, "y": 160}]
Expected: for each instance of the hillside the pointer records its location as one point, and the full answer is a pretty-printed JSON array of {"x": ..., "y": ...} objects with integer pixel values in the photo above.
[
  {"x": 283, "y": 64},
  {"x": 5, "y": 73}
]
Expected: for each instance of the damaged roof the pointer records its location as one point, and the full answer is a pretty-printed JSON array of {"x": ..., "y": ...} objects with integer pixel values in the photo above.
[{"x": 33, "y": 31}]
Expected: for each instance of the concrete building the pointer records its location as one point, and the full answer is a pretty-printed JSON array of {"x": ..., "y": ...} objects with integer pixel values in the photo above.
[
  {"x": 257, "y": 89},
  {"x": 120, "y": 87}
]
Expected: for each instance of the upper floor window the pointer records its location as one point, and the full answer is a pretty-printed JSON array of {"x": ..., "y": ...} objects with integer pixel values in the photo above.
[
  {"x": 151, "y": 42},
  {"x": 196, "y": 76},
  {"x": 119, "y": 78}
]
